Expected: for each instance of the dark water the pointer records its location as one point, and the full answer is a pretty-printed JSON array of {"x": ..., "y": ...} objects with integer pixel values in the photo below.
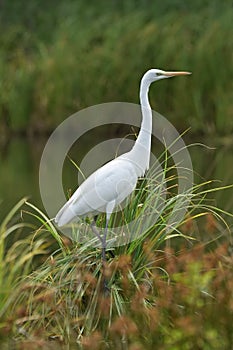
[{"x": 20, "y": 159}]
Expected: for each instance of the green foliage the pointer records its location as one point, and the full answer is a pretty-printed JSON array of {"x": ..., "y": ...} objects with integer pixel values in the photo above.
[
  {"x": 15, "y": 260},
  {"x": 82, "y": 54},
  {"x": 176, "y": 300},
  {"x": 54, "y": 294}
]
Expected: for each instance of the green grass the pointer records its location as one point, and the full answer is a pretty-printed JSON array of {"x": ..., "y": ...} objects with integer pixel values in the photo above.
[
  {"x": 97, "y": 54},
  {"x": 165, "y": 289},
  {"x": 16, "y": 258},
  {"x": 53, "y": 294}
]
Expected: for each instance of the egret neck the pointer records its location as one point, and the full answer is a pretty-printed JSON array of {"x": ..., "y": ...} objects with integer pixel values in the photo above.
[{"x": 142, "y": 147}]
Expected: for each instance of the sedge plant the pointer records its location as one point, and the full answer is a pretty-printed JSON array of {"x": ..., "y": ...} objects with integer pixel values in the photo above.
[{"x": 61, "y": 300}]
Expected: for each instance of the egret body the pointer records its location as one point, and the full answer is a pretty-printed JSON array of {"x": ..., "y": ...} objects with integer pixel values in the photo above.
[{"x": 108, "y": 186}]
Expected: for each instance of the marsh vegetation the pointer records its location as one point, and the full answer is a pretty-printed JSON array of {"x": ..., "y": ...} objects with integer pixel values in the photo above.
[{"x": 165, "y": 292}]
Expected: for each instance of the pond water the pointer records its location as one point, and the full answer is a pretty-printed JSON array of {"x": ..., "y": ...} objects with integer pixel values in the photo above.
[{"x": 20, "y": 159}]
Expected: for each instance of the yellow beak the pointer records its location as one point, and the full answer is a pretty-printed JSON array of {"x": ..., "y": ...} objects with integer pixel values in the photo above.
[{"x": 171, "y": 74}]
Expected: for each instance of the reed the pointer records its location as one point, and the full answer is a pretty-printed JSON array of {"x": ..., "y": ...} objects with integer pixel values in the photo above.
[
  {"x": 52, "y": 295},
  {"x": 98, "y": 54}
]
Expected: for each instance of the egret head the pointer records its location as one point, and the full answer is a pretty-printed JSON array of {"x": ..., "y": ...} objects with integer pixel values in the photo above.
[{"x": 157, "y": 74}]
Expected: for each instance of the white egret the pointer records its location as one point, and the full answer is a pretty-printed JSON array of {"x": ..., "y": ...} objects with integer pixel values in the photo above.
[{"x": 108, "y": 186}]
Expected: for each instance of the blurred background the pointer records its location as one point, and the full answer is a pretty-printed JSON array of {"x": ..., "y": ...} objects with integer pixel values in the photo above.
[{"x": 58, "y": 57}]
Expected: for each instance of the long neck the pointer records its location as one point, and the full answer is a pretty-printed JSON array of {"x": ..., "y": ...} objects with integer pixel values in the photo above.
[{"x": 142, "y": 147}]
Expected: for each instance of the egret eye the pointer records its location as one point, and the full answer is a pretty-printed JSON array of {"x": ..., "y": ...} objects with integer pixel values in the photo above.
[{"x": 158, "y": 74}]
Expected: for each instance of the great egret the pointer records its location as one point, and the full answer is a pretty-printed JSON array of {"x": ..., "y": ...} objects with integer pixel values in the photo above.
[{"x": 108, "y": 186}]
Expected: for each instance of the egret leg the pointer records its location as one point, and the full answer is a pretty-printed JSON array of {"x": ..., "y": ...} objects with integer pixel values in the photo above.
[
  {"x": 103, "y": 256},
  {"x": 101, "y": 239},
  {"x": 96, "y": 232},
  {"x": 103, "y": 246},
  {"x": 104, "y": 239}
]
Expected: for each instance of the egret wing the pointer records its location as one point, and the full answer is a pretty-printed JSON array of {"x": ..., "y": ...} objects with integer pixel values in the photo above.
[{"x": 112, "y": 182}]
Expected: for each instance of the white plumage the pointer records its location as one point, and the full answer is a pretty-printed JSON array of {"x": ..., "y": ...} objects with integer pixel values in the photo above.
[
  {"x": 101, "y": 192},
  {"x": 108, "y": 186}
]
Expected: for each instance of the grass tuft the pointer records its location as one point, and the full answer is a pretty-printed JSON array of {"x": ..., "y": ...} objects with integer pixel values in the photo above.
[{"x": 169, "y": 283}]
